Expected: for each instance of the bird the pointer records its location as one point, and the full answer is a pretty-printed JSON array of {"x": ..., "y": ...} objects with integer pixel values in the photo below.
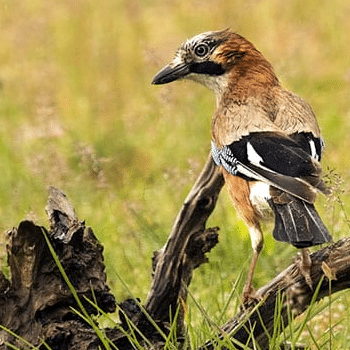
[{"x": 265, "y": 139}]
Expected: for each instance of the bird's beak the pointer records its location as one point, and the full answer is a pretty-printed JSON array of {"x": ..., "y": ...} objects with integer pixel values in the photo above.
[{"x": 171, "y": 73}]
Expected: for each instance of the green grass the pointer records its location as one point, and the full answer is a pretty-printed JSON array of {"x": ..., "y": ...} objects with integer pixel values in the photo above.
[{"x": 77, "y": 111}]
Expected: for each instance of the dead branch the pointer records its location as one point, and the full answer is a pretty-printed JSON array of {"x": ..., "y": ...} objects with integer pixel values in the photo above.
[
  {"x": 330, "y": 268},
  {"x": 174, "y": 263}
]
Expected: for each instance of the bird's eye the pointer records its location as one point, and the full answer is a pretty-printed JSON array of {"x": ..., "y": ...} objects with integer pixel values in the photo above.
[{"x": 201, "y": 50}]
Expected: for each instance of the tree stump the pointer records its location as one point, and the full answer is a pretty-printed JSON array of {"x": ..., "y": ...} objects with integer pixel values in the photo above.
[{"x": 36, "y": 304}]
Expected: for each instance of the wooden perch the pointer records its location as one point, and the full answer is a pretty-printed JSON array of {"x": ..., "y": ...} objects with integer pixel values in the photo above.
[
  {"x": 330, "y": 268},
  {"x": 36, "y": 303},
  {"x": 174, "y": 263}
]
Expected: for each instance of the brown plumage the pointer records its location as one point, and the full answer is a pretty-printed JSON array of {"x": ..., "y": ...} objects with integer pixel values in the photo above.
[{"x": 265, "y": 138}]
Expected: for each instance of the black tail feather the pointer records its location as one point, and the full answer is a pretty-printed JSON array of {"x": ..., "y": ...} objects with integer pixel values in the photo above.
[{"x": 298, "y": 223}]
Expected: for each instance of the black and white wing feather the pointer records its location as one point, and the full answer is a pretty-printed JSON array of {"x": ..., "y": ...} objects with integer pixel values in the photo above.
[
  {"x": 309, "y": 143},
  {"x": 273, "y": 159}
]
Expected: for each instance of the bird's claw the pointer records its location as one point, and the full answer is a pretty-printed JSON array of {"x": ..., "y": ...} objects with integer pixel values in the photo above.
[
  {"x": 249, "y": 296},
  {"x": 304, "y": 264}
]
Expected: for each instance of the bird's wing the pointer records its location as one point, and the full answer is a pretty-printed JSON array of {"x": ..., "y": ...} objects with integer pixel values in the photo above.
[
  {"x": 272, "y": 158},
  {"x": 309, "y": 143}
]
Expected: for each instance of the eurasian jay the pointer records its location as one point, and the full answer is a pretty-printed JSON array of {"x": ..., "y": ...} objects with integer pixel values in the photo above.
[{"x": 265, "y": 139}]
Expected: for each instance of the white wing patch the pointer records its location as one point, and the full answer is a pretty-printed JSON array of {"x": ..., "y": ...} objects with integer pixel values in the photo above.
[
  {"x": 313, "y": 149},
  {"x": 253, "y": 156}
]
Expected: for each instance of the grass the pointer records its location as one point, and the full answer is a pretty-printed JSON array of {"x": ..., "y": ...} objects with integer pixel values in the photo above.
[{"x": 77, "y": 111}]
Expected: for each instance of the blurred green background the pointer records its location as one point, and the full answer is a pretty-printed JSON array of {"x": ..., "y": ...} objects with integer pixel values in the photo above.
[{"x": 77, "y": 111}]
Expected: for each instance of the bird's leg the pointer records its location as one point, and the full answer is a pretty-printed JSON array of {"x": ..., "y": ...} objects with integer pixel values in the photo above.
[
  {"x": 305, "y": 266},
  {"x": 248, "y": 290},
  {"x": 257, "y": 244},
  {"x": 239, "y": 190}
]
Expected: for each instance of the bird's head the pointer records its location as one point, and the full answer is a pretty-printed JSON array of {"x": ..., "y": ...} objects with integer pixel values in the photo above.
[{"x": 216, "y": 59}]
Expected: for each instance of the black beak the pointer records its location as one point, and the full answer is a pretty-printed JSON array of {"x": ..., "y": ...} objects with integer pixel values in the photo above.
[{"x": 169, "y": 74}]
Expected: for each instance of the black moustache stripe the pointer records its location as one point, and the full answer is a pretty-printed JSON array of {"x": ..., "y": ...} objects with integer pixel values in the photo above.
[{"x": 208, "y": 67}]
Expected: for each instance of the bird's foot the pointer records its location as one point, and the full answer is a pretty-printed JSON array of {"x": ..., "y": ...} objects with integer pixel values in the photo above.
[
  {"x": 304, "y": 264},
  {"x": 249, "y": 296}
]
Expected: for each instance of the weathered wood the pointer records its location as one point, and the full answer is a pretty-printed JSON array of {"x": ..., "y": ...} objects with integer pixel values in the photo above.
[
  {"x": 172, "y": 264},
  {"x": 330, "y": 268},
  {"x": 36, "y": 302}
]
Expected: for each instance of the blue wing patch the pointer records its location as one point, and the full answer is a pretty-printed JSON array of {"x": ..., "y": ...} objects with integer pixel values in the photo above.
[
  {"x": 224, "y": 158},
  {"x": 215, "y": 153}
]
